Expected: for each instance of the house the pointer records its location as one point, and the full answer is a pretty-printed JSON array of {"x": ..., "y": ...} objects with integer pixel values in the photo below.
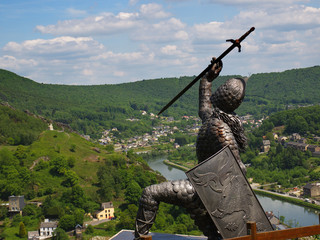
[
  {"x": 295, "y": 137},
  {"x": 106, "y": 212},
  {"x": 170, "y": 119},
  {"x": 16, "y": 204},
  {"x": 33, "y": 235},
  {"x": 282, "y": 139},
  {"x": 303, "y": 147},
  {"x": 78, "y": 231},
  {"x": 50, "y": 127},
  {"x": 246, "y": 117},
  {"x": 265, "y": 146},
  {"x": 311, "y": 189},
  {"x": 316, "y": 139},
  {"x": 47, "y": 228},
  {"x": 275, "y": 136},
  {"x": 117, "y": 147},
  {"x": 314, "y": 148},
  {"x": 302, "y": 140},
  {"x": 86, "y": 137},
  {"x": 300, "y": 146}
]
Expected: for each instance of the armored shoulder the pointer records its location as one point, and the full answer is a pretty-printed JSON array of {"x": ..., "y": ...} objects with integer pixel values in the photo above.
[{"x": 213, "y": 136}]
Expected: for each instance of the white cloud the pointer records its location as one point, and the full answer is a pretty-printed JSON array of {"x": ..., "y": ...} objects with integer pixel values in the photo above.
[
  {"x": 257, "y": 4},
  {"x": 169, "y": 50},
  {"x": 11, "y": 62},
  {"x": 119, "y": 74},
  {"x": 62, "y": 46},
  {"x": 106, "y": 23},
  {"x": 284, "y": 19},
  {"x": 153, "y": 10},
  {"x": 103, "y": 24},
  {"x": 87, "y": 72},
  {"x": 76, "y": 12},
  {"x": 155, "y": 43},
  {"x": 168, "y": 30}
]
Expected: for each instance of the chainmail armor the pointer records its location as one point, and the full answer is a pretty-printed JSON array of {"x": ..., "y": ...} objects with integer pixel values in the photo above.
[{"x": 220, "y": 127}]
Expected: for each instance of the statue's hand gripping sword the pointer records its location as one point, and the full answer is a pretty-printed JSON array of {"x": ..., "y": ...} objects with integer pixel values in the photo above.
[{"x": 235, "y": 43}]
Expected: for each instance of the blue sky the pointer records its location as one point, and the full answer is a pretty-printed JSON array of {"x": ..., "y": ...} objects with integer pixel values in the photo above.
[{"x": 107, "y": 42}]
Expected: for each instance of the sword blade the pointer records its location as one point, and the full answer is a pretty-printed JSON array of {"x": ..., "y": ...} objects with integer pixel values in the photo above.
[{"x": 236, "y": 43}]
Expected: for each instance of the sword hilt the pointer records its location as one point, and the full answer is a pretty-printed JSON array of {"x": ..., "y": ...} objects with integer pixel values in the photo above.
[{"x": 236, "y": 43}]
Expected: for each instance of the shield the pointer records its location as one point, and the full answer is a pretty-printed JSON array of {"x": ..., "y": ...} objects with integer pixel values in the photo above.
[{"x": 227, "y": 195}]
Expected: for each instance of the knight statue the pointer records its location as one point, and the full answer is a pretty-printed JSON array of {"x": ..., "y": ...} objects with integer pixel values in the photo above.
[{"x": 220, "y": 127}]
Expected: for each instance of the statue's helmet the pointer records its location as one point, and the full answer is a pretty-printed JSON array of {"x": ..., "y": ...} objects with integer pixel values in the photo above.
[{"x": 229, "y": 95}]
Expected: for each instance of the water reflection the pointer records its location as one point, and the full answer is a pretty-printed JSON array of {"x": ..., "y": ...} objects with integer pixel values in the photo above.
[
  {"x": 294, "y": 215},
  {"x": 168, "y": 172}
]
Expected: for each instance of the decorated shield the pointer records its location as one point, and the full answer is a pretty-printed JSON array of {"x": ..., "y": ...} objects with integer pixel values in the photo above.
[{"x": 227, "y": 195}]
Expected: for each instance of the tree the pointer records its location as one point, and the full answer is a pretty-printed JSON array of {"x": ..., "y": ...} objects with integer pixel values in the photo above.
[
  {"x": 78, "y": 199},
  {"x": 78, "y": 216},
  {"x": 60, "y": 234},
  {"x": 72, "y": 148},
  {"x": 22, "y": 230},
  {"x": 3, "y": 212},
  {"x": 31, "y": 210},
  {"x": 127, "y": 217},
  {"x": 71, "y": 179},
  {"x": 59, "y": 165},
  {"x": 314, "y": 176},
  {"x": 51, "y": 208},
  {"x": 67, "y": 222},
  {"x": 21, "y": 152},
  {"x": 71, "y": 161},
  {"x": 133, "y": 192},
  {"x": 297, "y": 124}
]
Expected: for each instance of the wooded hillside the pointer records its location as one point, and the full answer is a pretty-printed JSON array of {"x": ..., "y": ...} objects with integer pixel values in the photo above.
[{"x": 89, "y": 109}]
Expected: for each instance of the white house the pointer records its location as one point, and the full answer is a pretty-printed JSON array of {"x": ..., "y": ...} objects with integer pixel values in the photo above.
[{"x": 47, "y": 228}]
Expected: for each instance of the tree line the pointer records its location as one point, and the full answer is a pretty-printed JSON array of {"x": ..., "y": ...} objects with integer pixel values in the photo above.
[{"x": 88, "y": 109}]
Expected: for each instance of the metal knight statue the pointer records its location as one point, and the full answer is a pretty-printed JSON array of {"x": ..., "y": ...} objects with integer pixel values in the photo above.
[{"x": 220, "y": 127}]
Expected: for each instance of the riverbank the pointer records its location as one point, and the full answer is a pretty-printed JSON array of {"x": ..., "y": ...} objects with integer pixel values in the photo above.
[
  {"x": 287, "y": 199},
  {"x": 183, "y": 168}
]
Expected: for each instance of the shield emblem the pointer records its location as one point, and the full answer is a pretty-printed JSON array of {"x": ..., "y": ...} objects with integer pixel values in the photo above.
[{"x": 227, "y": 195}]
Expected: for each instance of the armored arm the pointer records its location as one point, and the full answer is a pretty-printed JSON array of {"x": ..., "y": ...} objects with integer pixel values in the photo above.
[
  {"x": 205, "y": 106},
  {"x": 205, "y": 92}
]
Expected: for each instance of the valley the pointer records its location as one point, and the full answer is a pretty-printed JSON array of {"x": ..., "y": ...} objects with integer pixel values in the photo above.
[{"x": 72, "y": 148}]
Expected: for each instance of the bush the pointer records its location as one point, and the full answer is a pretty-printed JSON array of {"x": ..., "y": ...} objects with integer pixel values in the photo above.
[{"x": 89, "y": 230}]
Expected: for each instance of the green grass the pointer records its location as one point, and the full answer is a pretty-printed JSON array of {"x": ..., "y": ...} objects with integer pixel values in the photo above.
[
  {"x": 52, "y": 144},
  {"x": 55, "y": 143},
  {"x": 11, "y": 148},
  {"x": 288, "y": 199},
  {"x": 11, "y": 232}
]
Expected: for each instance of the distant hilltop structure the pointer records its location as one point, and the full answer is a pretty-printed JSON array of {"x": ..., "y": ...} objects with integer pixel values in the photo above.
[{"x": 16, "y": 204}]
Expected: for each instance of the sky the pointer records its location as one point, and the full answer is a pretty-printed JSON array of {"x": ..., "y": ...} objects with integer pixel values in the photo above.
[{"x": 93, "y": 42}]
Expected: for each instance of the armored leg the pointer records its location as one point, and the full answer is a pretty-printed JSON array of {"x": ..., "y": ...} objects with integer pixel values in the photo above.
[{"x": 179, "y": 192}]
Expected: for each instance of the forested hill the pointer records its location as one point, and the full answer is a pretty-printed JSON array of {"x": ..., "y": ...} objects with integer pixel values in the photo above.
[
  {"x": 86, "y": 108},
  {"x": 272, "y": 92}
]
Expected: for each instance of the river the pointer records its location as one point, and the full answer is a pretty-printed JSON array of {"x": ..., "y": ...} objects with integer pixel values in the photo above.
[{"x": 294, "y": 215}]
